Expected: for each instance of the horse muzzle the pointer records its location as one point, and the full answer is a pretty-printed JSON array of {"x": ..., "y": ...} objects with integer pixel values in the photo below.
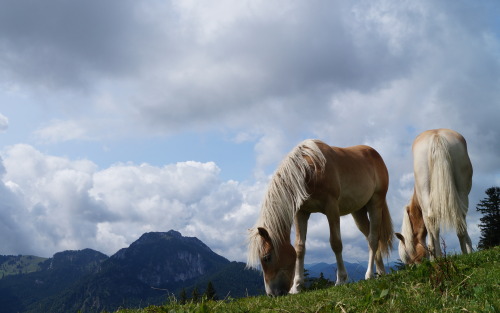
[{"x": 279, "y": 286}]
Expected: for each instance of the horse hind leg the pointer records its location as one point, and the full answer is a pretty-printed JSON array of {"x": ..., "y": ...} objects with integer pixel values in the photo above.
[
  {"x": 431, "y": 222},
  {"x": 462, "y": 234},
  {"x": 465, "y": 242},
  {"x": 464, "y": 239},
  {"x": 433, "y": 243},
  {"x": 375, "y": 215},
  {"x": 363, "y": 224}
]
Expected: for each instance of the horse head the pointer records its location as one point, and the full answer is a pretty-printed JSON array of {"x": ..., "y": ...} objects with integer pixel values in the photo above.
[
  {"x": 412, "y": 248},
  {"x": 278, "y": 264}
]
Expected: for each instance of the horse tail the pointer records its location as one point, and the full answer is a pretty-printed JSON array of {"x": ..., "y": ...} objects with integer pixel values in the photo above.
[
  {"x": 386, "y": 232},
  {"x": 447, "y": 206}
]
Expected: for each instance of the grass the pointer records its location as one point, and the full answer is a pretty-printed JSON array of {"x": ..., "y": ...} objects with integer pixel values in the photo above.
[
  {"x": 13, "y": 265},
  {"x": 459, "y": 283}
]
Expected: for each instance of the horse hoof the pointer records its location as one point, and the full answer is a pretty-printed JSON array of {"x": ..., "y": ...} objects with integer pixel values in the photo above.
[
  {"x": 295, "y": 289},
  {"x": 341, "y": 281}
]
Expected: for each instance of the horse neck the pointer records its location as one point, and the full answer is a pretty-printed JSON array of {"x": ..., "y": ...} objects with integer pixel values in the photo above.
[
  {"x": 278, "y": 226},
  {"x": 414, "y": 203},
  {"x": 417, "y": 221}
]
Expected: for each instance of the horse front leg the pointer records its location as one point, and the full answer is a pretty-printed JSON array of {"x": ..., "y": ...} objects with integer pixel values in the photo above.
[
  {"x": 336, "y": 243},
  {"x": 301, "y": 219}
]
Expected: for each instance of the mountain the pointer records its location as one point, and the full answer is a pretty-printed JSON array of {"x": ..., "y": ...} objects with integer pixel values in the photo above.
[
  {"x": 156, "y": 266},
  {"x": 20, "y": 292},
  {"x": 21, "y": 264},
  {"x": 356, "y": 271},
  {"x": 233, "y": 280}
]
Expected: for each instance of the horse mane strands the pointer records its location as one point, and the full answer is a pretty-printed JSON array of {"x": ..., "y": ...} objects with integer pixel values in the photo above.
[
  {"x": 407, "y": 232},
  {"x": 286, "y": 192}
]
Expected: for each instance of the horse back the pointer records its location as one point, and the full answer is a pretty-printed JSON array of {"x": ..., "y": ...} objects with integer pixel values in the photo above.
[
  {"x": 443, "y": 177},
  {"x": 456, "y": 148},
  {"x": 352, "y": 176}
]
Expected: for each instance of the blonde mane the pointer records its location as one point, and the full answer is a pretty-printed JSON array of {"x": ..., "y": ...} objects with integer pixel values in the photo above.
[
  {"x": 407, "y": 248},
  {"x": 287, "y": 191}
]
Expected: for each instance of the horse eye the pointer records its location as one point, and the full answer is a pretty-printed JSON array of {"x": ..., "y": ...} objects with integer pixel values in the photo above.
[{"x": 267, "y": 258}]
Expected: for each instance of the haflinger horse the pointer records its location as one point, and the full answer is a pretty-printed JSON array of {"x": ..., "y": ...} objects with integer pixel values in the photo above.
[
  {"x": 315, "y": 177},
  {"x": 443, "y": 179}
]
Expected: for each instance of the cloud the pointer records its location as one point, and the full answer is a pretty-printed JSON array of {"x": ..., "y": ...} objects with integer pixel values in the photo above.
[
  {"x": 65, "y": 45},
  {"x": 4, "y": 123},
  {"x": 258, "y": 66},
  {"x": 53, "y": 204},
  {"x": 61, "y": 131},
  {"x": 266, "y": 73}
]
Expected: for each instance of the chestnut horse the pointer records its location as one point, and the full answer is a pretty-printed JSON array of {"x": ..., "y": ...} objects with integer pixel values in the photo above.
[
  {"x": 315, "y": 177},
  {"x": 443, "y": 179}
]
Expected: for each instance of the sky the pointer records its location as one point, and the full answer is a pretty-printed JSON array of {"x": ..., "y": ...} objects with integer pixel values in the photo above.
[{"x": 124, "y": 117}]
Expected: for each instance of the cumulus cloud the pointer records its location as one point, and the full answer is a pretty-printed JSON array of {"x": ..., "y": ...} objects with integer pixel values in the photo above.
[{"x": 52, "y": 204}]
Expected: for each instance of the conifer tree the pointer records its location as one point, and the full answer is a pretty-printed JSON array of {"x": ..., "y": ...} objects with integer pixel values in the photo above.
[
  {"x": 183, "y": 297},
  {"x": 195, "y": 295},
  {"x": 490, "y": 222},
  {"x": 210, "y": 292}
]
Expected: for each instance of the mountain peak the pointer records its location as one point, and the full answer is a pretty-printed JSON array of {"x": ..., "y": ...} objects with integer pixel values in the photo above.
[
  {"x": 174, "y": 233},
  {"x": 154, "y": 236},
  {"x": 170, "y": 236},
  {"x": 86, "y": 258}
]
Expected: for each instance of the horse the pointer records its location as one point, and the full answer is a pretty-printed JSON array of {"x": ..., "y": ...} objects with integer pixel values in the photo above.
[
  {"x": 315, "y": 177},
  {"x": 443, "y": 180}
]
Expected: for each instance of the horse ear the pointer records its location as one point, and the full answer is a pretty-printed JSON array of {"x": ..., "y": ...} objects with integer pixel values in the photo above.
[
  {"x": 264, "y": 234},
  {"x": 400, "y": 237}
]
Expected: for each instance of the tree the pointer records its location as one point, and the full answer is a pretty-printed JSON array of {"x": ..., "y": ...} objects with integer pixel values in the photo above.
[
  {"x": 320, "y": 283},
  {"x": 490, "y": 222},
  {"x": 183, "y": 297},
  {"x": 210, "y": 292},
  {"x": 195, "y": 295}
]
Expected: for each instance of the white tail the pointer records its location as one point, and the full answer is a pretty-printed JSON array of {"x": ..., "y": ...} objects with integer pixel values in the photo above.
[{"x": 444, "y": 198}]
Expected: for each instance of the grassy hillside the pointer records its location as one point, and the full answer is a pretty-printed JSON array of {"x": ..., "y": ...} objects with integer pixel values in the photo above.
[
  {"x": 22, "y": 264},
  {"x": 461, "y": 283}
]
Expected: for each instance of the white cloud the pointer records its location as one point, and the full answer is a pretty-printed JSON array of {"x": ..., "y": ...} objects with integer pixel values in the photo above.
[
  {"x": 61, "y": 131},
  {"x": 266, "y": 73},
  {"x": 54, "y": 203},
  {"x": 4, "y": 123}
]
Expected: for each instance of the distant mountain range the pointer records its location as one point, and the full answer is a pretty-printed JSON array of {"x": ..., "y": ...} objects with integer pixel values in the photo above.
[
  {"x": 151, "y": 269},
  {"x": 156, "y": 266},
  {"x": 356, "y": 271}
]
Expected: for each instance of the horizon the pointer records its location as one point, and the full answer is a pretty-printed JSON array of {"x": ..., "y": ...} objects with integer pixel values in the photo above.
[{"x": 364, "y": 263}]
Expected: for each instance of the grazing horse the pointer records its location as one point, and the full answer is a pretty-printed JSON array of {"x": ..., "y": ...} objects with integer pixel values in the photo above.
[
  {"x": 443, "y": 179},
  {"x": 315, "y": 177}
]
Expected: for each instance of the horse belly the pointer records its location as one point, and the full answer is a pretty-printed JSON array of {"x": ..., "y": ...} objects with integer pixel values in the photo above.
[
  {"x": 348, "y": 205},
  {"x": 313, "y": 205}
]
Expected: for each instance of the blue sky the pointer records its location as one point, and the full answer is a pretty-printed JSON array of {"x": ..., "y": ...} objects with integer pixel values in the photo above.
[{"x": 122, "y": 117}]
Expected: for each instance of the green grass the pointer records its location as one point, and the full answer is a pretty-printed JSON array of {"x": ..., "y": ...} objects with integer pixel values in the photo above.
[
  {"x": 459, "y": 283},
  {"x": 13, "y": 265}
]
